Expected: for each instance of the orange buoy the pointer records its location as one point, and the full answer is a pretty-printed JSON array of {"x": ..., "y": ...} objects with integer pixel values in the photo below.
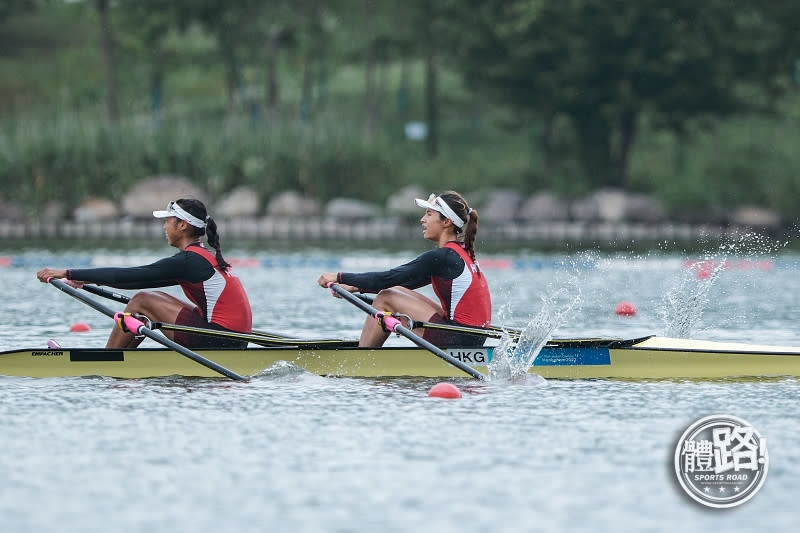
[
  {"x": 444, "y": 390},
  {"x": 625, "y": 309},
  {"x": 79, "y": 327}
]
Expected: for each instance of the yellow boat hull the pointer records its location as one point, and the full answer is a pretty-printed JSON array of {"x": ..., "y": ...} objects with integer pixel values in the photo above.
[{"x": 650, "y": 358}]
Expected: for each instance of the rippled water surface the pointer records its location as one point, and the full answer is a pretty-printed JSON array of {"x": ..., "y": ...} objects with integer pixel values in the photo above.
[{"x": 291, "y": 451}]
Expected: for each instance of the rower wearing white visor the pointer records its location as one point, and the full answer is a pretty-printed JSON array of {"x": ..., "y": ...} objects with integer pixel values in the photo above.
[
  {"x": 217, "y": 299},
  {"x": 451, "y": 269}
]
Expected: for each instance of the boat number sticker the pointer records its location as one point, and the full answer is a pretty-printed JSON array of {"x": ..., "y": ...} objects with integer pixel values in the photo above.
[{"x": 721, "y": 461}]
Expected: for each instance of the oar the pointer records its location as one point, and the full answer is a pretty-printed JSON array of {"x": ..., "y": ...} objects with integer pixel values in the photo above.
[
  {"x": 490, "y": 331},
  {"x": 263, "y": 338},
  {"x": 135, "y": 325},
  {"x": 392, "y": 324},
  {"x": 257, "y": 339},
  {"x": 94, "y": 289}
]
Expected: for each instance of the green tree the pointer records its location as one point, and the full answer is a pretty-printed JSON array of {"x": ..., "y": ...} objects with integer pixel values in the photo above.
[
  {"x": 145, "y": 28},
  {"x": 234, "y": 26},
  {"x": 603, "y": 64},
  {"x": 109, "y": 66}
]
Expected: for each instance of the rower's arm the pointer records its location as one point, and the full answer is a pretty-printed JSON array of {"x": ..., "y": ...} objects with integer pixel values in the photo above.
[{"x": 163, "y": 273}]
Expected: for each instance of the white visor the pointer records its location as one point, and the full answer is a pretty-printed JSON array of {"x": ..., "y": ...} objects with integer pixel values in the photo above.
[
  {"x": 174, "y": 210},
  {"x": 437, "y": 204}
]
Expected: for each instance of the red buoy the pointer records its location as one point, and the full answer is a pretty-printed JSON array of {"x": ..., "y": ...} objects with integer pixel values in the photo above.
[
  {"x": 625, "y": 309},
  {"x": 704, "y": 273},
  {"x": 79, "y": 327},
  {"x": 444, "y": 390}
]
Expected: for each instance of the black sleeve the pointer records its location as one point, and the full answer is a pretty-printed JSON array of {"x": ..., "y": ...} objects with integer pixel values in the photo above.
[
  {"x": 441, "y": 262},
  {"x": 183, "y": 266}
]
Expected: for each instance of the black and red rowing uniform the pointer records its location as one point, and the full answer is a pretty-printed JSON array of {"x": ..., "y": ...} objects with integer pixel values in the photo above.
[
  {"x": 220, "y": 299},
  {"x": 457, "y": 281}
]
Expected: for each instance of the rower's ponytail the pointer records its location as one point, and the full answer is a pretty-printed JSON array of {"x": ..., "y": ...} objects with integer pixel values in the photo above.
[
  {"x": 470, "y": 232},
  {"x": 470, "y": 217},
  {"x": 213, "y": 241},
  {"x": 198, "y": 209}
]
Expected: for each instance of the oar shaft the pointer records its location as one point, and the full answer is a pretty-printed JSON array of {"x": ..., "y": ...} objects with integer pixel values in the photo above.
[
  {"x": 143, "y": 330},
  {"x": 111, "y": 295},
  {"x": 395, "y": 325},
  {"x": 256, "y": 338},
  {"x": 97, "y": 306}
]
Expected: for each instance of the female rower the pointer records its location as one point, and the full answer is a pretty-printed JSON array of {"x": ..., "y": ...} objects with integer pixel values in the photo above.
[
  {"x": 451, "y": 269},
  {"x": 218, "y": 298}
]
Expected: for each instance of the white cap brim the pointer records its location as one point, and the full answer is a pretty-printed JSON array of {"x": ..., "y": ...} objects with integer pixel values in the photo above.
[
  {"x": 178, "y": 212},
  {"x": 426, "y": 204}
]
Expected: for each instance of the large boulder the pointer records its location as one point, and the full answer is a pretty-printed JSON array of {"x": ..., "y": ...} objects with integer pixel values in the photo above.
[
  {"x": 351, "y": 208},
  {"x": 544, "y": 206},
  {"x": 154, "y": 192},
  {"x": 756, "y": 217},
  {"x": 617, "y": 205},
  {"x": 53, "y": 211},
  {"x": 644, "y": 208},
  {"x": 10, "y": 210},
  {"x": 240, "y": 202},
  {"x": 501, "y": 205},
  {"x": 96, "y": 209},
  {"x": 292, "y": 204},
  {"x": 401, "y": 202},
  {"x": 607, "y": 205}
]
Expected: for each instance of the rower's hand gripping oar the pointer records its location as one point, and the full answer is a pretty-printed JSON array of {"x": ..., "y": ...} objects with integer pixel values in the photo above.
[
  {"x": 136, "y": 326},
  {"x": 393, "y": 324}
]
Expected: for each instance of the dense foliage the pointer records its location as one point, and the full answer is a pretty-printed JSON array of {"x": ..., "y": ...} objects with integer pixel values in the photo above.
[{"x": 694, "y": 102}]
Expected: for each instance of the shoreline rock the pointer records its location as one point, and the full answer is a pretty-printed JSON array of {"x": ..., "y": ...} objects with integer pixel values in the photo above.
[{"x": 383, "y": 229}]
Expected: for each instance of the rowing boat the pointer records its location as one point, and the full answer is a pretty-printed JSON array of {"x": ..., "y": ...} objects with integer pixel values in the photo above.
[{"x": 643, "y": 358}]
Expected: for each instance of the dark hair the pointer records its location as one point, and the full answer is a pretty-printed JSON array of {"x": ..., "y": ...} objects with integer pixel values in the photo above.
[
  {"x": 460, "y": 207},
  {"x": 196, "y": 208}
]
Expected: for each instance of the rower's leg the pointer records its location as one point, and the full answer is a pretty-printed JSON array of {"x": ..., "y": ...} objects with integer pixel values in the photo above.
[
  {"x": 397, "y": 300},
  {"x": 157, "y": 306}
]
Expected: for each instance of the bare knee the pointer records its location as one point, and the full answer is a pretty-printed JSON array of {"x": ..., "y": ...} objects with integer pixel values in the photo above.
[
  {"x": 385, "y": 298},
  {"x": 155, "y": 305},
  {"x": 142, "y": 300}
]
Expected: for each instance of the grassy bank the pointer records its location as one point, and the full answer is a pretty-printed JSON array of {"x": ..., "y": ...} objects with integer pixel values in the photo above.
[{"x": 56, "y": 145}]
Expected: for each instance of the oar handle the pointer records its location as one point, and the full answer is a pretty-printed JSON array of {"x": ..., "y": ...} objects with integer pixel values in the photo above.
[
  {"x": 389, "y": 322},
  {"x": 395, "y": 325},
  {"x": 128, "y": 322}
]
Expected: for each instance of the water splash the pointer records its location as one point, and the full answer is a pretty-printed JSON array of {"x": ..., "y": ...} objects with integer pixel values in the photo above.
[
  {"x": 684, "y": 304},
  {"x": 518, "y": 349}
]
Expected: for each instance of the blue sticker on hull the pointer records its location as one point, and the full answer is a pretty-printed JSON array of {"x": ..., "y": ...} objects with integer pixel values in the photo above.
[
  {"x": 549, "y": 356},
  {"x": 573, "y": 356}
]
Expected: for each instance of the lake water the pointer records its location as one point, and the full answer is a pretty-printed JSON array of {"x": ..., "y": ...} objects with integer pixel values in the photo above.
[{"x": 291, "y": 451}]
